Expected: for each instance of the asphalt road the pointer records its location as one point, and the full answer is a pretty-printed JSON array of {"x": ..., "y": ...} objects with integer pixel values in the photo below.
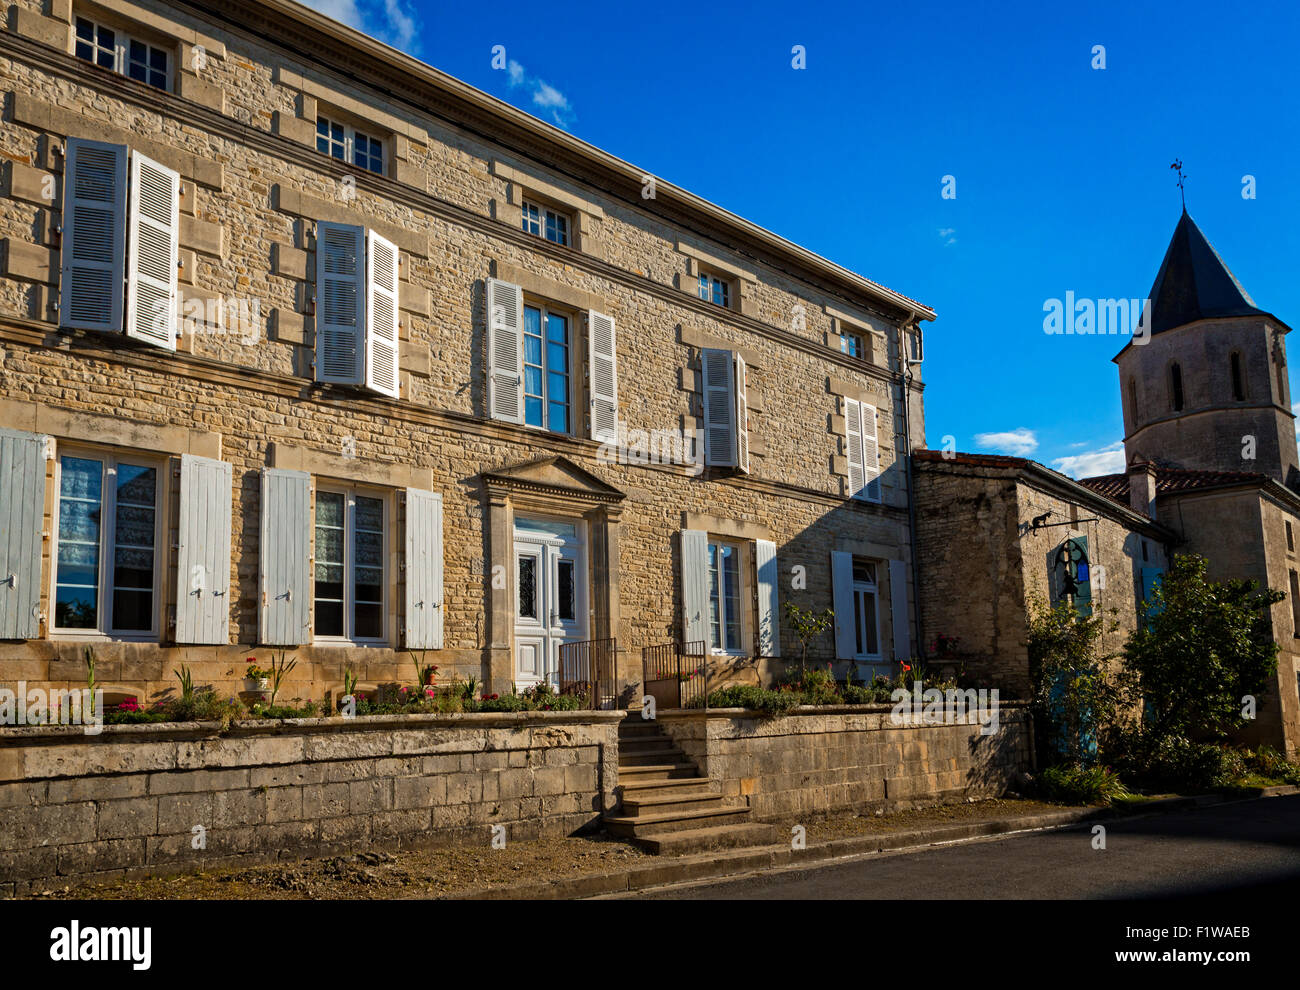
[{"x": 1219, "y": 850}]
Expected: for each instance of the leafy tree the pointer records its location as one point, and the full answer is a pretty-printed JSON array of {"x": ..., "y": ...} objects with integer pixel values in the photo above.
[
  {"x": 1204, "y": 647},
  {"x": 807, "y": 625}
]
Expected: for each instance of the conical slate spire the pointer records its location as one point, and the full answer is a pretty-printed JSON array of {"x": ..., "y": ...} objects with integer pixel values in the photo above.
[{"x": 1194, "y": 283}]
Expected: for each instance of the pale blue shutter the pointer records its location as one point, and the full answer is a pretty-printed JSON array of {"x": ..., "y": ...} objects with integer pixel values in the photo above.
[
  {"x": 382, "y": 346},
  {"x": 1083, "y": 596},
  {"x": 424, "y": 606},
  {"x": 153, "y": 249},
  {"x": 22, "y": 514},
  {"x": 284, "y": 555},
  {"x": 717, "y": 374},
  {"x": 504, "y": 346},
  {"x": 769, "y": 612},
  {"x": 695, "y": 586},
  {"x": 203, "y": 552},
  {"x": 846, "y": 639},
  {"x": 340, "y": 302},
  {"x": 602, "y": 361},
  {"x": 898, "y": 610},
  {"x": 93, "y": 255}
]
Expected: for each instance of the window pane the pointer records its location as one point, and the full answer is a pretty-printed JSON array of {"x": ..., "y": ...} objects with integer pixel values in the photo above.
[
  {"x": 557, "y": 417},
  {"x": 557, "y": 328},
  {"x": 76, "y": 598},
  {"x": 532, "y": 220},
  {"x": 329, "y": 563},
  {"x": 532, "y": 411},
  {"x": 566, "y": 590},
  {"x": 715, "y": 602},
  {"x": 134, "y": 521},
  {"x": 557, "y": 228},
  {"x": 528, "y": 587},
  {"x": 869, "y": 607},
  {"x": 731, "y": 589},
  {"x": 704, "y": 287}
]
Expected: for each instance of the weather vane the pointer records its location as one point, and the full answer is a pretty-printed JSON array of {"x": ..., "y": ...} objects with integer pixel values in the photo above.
[{"x": 1178, "y": 165}]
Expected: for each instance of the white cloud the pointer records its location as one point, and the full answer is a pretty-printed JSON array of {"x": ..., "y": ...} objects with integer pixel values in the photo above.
[
  {"x": 948, "y": 236},
  {"x": 388, "y": 20},
  {"x": 1020, "y": 442},
  {"x": 543, "y": 93},
  {"x": 341, "y": 10},
  {"x": 1107, "y": 460}
]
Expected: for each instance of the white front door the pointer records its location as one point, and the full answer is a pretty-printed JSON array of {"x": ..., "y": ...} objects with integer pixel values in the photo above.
[{"x": 550, "y": 597}]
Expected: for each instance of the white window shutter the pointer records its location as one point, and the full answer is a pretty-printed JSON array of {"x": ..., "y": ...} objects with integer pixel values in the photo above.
[
  {"x": 382, "y": 346},
  {"x": 602, "y": 359},
  {"x": 93, "y": 257},
  {"x": 695, "y": 586},
  {"x": 152, "y": 252},
  {"x": 283, "y": 556},
  {"x": 340, "y": 302},
  {"x": 870, "y": 453},
  {"x": 898, "y": 610},
  {"x": 203, "y": 552},
  {"x": 742, "y": 414},
  {"x": 846, "y": 640},
  {"x": 769, "y": 609},
  {"x": 505, "y": 363},
  {"x": 22, "y": 519},
  {"x": 719, "y": 407},
  {"x": 853, "y": 453},
  {"x": 424, "y": 599}
]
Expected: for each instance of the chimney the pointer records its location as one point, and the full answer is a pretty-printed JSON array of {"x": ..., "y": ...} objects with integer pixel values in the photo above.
[{"x": 1142, "y": 488}]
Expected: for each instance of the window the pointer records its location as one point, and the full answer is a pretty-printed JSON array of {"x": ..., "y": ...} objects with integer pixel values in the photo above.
[
  {"x": 1144, "y": 551},
  {"x": 1295, "y": 603},
  {"x": 866, "y": 611},
  {"x": 1176, "y": 386},
  {"x": 1290, "y": 537},
  {"x": 106, "y": 574},
  {"x": 349, "y": 599},
  {"x": 545, "y": 222},
  {"x": 546, "y": 339},
  {"x": 724, "y": 598},
  {"x": 110, "y": 48},
  {"x": 347, "y": 144},
  {"x": 1132, "y": 400},
  {"x": 851, "y": 344},
  {"x": 715, "y": 290},
  {"x": 357, "y": 308},
  {"x": 1238, "y": 385}
]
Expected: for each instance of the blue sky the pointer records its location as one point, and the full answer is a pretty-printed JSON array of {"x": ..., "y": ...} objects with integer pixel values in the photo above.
[{"x": 1062, "y": 170}]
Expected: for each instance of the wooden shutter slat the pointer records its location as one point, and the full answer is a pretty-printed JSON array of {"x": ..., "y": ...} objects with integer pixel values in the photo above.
[
  {"x": 382, "y": 346},
  {"x": 153, "y": 249},
  {"x": 424, "y": 570},
  {"x": 504, "y": 341},
  {"x": 203, "y": 553},
  {"x": 22, "y": 516},
  {"x": 93, "y": 255}
]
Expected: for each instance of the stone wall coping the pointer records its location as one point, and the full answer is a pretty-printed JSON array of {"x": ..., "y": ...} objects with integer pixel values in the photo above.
[
  {"x": 686, "y": 714},
  {"x": 149, "y": 732}
]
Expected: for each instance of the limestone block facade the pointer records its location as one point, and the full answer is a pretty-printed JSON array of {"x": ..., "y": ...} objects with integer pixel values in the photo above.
[{"x": 445, "y": 377}]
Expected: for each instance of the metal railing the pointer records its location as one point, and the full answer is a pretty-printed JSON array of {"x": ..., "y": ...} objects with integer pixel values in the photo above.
[
  {"x": 588, "y": 669},
  {"x": 676, "y": 675}
]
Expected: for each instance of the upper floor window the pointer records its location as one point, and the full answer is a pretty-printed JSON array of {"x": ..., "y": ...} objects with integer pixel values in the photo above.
[
  {"x": 350, "y": 536},
  {"x": 107, "y": 533},
  {"x": 1176, "y": 386},
  {"x": 347, "y": 144},
  {"x": 715, "y": 290},
  {"x": 546, "y": 358},
  {"x": 545, "y": 222},
  {"x": 1238, "y": 384},
  {"x": 851, "y": 344},
  {"x": 113, "y": 49}
]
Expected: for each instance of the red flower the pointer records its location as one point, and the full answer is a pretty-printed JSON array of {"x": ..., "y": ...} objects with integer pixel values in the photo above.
[{"x": 907, "y": 666}]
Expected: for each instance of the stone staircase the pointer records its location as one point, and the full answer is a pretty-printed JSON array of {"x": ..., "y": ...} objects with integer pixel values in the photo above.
[{"x": 667, "y": 807}]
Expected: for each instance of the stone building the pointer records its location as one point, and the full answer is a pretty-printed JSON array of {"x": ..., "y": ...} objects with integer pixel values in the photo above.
[
  {"x": 344, "y": 357},
  {"x": 1210, "y": 448}
]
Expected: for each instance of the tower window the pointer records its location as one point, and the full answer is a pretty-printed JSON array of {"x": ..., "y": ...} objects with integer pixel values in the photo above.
[
  {"x": 1238, "y": 387},
  {"x": 1176, "y": 386},
  {"x": 1290, "y": 537},
  {"x": 1133, "y": 400}
]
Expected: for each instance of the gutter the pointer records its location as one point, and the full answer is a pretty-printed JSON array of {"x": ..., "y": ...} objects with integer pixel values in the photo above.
[{"x": 911, "y": 484}]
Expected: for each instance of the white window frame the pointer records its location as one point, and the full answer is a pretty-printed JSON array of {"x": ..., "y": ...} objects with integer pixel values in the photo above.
[
  {"x": 545, "y": 212},
  {"x": 109, "y": 461},
  {"x": 710, "y": 280},
  {"x": 861, "y": 587},
  {"x": 350, "y": 135},
  {"x": 121, "y": 50},
  {"x": 714, "y": 547},
  {"x": 571, "y": 318},
  {"x": 350, "y": 494}
]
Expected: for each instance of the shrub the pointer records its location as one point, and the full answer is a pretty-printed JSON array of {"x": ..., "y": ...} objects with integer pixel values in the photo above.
[
  {"x": 770, "y": 703},
  {"x": 817, "y": 687},
  {"x": 875, "y": 693},
  {"x": 1080, "y": 785},
  {"x": 1268, "y": 762},
  {"x": 1181, "y": 764}
]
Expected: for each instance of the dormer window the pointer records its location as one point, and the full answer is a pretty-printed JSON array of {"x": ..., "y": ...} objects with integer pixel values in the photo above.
[{"x": 111, "y": 48}]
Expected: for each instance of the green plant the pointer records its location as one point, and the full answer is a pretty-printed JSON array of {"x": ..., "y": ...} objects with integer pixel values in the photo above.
[
  {"x": 1180, "y": 764},
  {"x": 280, "y": 667},
  {"x": 187, "y": 684},
  {"x": 807, "y": 625},
  {"x": 875, "y": 693},
  {"x": 1073, "y": 784},
  {"x": 423, "y": 671},
  {"x": 88, "y": 654},
  {"x": 1269, "y": 763},
  {"x": 254, "y": 672},
  {"x": 1206, "y": 645},
  {"x": 349, "y": 681},
  {"x": 769, "y": 703}
]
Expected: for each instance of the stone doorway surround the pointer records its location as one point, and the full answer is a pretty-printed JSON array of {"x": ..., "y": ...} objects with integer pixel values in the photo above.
[{"x": 553, "y": 486}]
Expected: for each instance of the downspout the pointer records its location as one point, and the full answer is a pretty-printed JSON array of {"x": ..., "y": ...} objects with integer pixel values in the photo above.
[{"x": 905, "y": 361}]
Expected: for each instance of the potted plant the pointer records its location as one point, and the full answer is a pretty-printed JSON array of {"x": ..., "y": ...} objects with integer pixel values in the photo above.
[{"x": 259, "y": 677}]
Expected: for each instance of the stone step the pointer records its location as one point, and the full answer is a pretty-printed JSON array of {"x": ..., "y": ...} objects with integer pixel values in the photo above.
[
  {"x": 639, "y": 805},
  {"x": 635, "y": 728},
  {"x": 651, "y": 757},
  {"x": 634, "y": 826},
  {"x": 682, "y": 786},
  {"x": 695, "y": 840},
  {"x": 639, "y": 744},
  {"x": 657, "y": 772}
]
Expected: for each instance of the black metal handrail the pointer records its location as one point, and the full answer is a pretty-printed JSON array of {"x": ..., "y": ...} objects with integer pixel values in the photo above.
[
  {"x": 676, "y": 675},
  {"x": 588, "y": 669}
]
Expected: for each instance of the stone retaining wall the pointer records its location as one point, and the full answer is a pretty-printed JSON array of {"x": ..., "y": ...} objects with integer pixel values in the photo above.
[
  {"x": 130, "y": 799},
  {"x": 815, "y": 761}
]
